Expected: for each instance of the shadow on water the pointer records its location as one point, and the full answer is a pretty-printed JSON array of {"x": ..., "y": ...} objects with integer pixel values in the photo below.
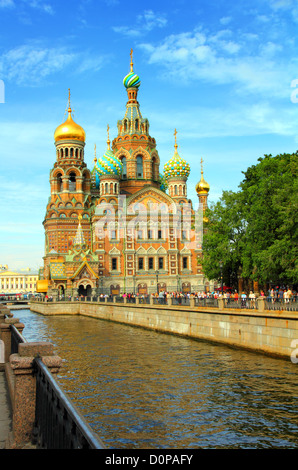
[{"x": 142, "y": 389}]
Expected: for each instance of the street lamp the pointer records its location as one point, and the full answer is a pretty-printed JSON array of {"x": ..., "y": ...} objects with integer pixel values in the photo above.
[
  {"x": 221, "y": 279},
  {"x": 157, "y": 273},
  {"x": 134, "y": 279}
]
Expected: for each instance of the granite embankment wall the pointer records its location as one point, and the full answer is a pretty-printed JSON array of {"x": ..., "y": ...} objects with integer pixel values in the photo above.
[{"x": 271, "y": 332}]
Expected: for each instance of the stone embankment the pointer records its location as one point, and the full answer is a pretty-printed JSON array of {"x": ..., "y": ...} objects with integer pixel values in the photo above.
[{"x": 270, "y": 332}]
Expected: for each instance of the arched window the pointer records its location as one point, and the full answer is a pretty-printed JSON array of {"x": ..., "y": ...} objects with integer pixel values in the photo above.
[
  {"x": 139, "y": 166},
  {"x": 124, "y": 170},
  {"x": 106, "y": 188},
  {"x": 136, "y": 124},
  {"x": 72, "y": 182},
  {"x": 66, "y": 152},
  {"x": 77, "y": 153},
  {"x": 59, "y": 182},
  {"x": 71, "y": 152}
]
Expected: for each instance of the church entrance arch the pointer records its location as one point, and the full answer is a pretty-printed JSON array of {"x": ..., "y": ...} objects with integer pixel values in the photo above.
[
  {"x": 61, "y": 290},
  {"x": 85, "y": 290}
]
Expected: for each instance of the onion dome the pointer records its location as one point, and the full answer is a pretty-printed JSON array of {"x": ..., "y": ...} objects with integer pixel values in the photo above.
[
  {"x": 109, "y": 164},
  {"x": 176, "y": 167},
  {"x": 132, "y": 79},
  {"x": 202, "y": 186},
  {"x": 69, "y": 130}
]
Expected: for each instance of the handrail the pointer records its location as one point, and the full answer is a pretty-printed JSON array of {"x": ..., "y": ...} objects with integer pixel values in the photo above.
[
  {"x": 16, "y": 339},
  {"x": 58, "y": 423}
]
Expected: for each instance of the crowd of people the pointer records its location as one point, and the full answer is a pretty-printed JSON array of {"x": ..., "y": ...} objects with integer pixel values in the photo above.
[{"x": 277, "y": 294}]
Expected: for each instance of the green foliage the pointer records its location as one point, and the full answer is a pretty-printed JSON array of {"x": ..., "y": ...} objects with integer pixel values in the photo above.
[{"x": 254, "y": 230}]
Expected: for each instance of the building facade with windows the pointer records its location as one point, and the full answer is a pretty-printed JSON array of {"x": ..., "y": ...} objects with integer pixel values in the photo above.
[
  {"x": 123, "y": 226},
  {"x": 13, "y": 282}
]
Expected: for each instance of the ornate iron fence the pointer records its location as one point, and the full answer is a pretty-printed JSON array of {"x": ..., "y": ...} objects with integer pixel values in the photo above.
[{"x": 58, "y": 423}]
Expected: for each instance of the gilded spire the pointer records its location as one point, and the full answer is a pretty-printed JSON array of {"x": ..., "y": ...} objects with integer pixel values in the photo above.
[
  {"x": 95, "y": 158},
  {"x": 176, "y": 145},
  {"x": 131, "y": 61},
  {"x": 108, "y": 141},
  {"x": 69, "y": 107},
  {"x": 201, "y": 166}
]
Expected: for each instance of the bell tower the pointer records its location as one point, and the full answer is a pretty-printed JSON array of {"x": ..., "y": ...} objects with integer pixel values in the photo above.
[
  {"x": 70, "y": 188},
  {"x": 134, "y": 146}
]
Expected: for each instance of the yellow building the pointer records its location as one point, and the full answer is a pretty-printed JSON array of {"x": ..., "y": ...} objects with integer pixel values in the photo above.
[{"x": 12, "y": 282}]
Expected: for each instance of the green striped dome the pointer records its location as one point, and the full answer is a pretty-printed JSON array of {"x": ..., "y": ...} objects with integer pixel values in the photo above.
[{"x": 131, "y": 80}]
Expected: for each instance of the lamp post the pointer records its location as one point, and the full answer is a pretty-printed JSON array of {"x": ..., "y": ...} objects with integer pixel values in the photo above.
[
  {"x": 134, "y": 279},
  {"x": 156, "y": 272},
  {"x": 221, "y": 279}
]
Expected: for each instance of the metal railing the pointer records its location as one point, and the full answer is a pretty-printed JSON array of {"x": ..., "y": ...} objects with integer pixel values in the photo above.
[
  {"x": 289, "y": 306},
  {"x": 241, "y": 303},
  {"x": 206, "y": 302},
  {"x": 58, "y": 423},
  {"x": 16, "y": 339}
]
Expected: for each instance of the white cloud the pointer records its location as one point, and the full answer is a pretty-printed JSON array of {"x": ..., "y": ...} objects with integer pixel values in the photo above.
[
  {"x": 213, "y": 58},
  {"x": 145, "y": 23},
  {"x": 35, "y": 4},
  {"x": 27, "y": 64},
  {"x": 7, "y": 4},
  {"x": 30, "y": 64}
]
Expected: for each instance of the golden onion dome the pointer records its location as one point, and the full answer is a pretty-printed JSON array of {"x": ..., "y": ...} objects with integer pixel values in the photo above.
[
  {"x": 202, "y": 186},
  {"x": 69, "y": 130}
]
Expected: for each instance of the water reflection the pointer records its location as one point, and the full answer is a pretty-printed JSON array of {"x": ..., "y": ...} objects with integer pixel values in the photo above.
[{"x": 141, "y": 389}]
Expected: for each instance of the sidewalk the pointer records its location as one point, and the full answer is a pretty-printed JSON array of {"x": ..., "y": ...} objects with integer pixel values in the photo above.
[{"x": 5, "y": 412}]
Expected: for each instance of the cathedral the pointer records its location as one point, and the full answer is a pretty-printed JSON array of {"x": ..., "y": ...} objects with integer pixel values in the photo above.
[{"x": 124, "y": 226}]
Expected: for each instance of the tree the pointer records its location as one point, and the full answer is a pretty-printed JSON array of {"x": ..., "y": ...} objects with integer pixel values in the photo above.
[{"x": 254, "y": 230}]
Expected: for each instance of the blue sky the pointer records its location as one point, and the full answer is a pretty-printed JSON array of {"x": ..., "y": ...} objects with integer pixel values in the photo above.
[{"x": 222, "y": 73}]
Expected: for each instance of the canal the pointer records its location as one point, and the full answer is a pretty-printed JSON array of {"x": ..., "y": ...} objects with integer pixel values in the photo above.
[{"x": 141, "y": 389}]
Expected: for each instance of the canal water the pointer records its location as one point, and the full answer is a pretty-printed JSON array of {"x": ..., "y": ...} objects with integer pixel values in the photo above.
[{"x": 141, "y": 389}]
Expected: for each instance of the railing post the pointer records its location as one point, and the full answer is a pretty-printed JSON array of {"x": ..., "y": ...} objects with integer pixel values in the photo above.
[
  {"x": 221, "y": 303},
  {"x": 261, "y": 304},
  {"x": 5, "y": 334},
  {"x": 24, "y": 390}
]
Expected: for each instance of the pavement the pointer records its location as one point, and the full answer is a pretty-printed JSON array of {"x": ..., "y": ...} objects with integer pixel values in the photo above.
[{"x": 5, "y": 411}]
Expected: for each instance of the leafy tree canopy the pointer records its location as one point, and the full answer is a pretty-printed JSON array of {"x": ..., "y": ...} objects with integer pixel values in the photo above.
[{"x": 254, "y": 230}]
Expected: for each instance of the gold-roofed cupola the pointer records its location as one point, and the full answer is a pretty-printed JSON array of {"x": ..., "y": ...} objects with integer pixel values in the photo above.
[{"x": 69, "y": 130}]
